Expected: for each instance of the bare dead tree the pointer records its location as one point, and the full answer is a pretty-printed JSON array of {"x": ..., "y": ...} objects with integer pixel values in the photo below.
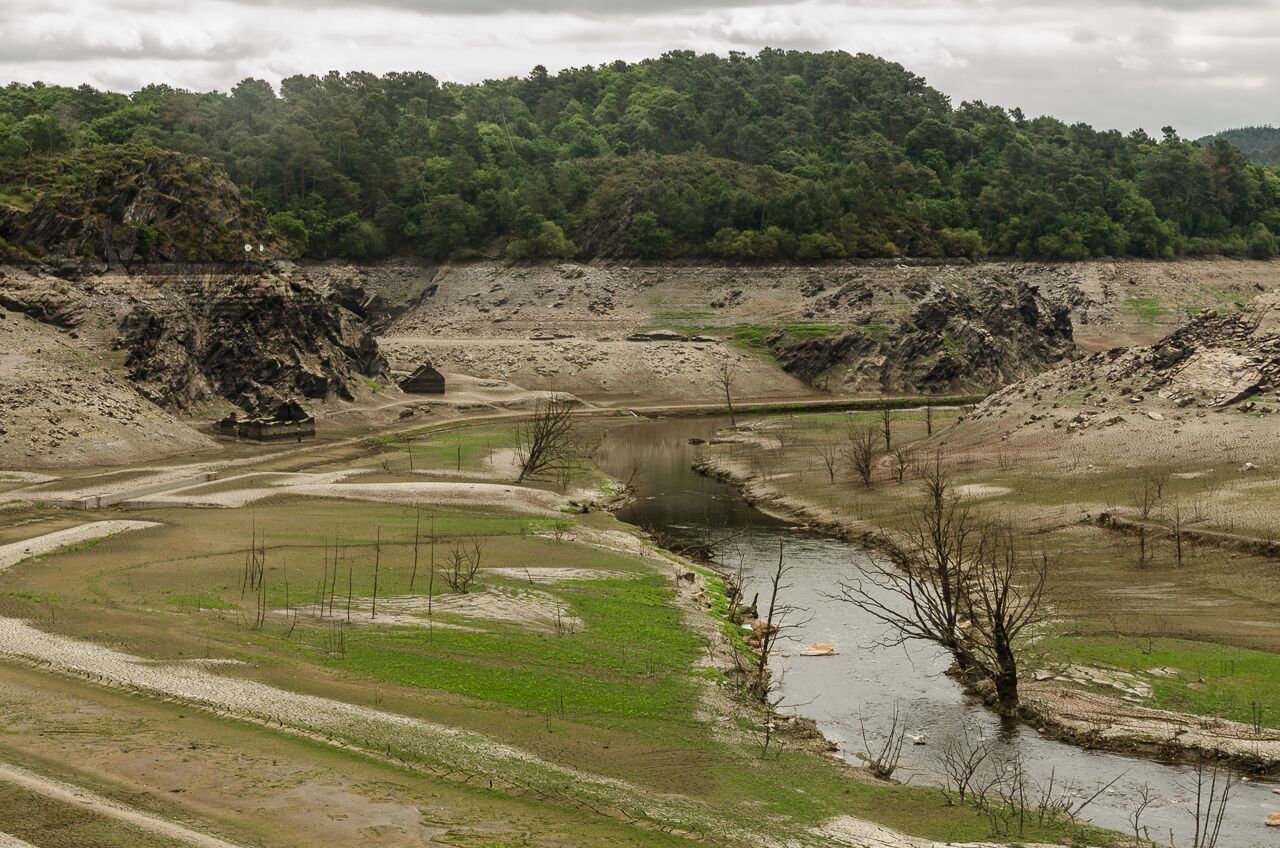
[
  {"x": 886, "y": 427},
  {"x": 970, "y": 589},
  {"x": 928, "y": 419},
  {"x": 1176, "y": 522},
  {"x": 780, "y": 618},
  {"x": 462, "y": 564},
  {"x": 882, "y": 759},
  {"x": 1147, "y": 493},
  {"x": 900, "y": 461},
  {"x": 417, "y": 526},
  {"x": 861, "y": 452},
  {"x": 1212, "y": 786},
  {"x": 929, "y": 566},
  {"x": 431, "y": 579},
  {"x": 548, "y": 440},
  {"x": 723, "y": 377},
  {"x": 829, "y": 453},
  {"x": 377, "y": 562},
  {"x": 1004, "y": 598},
  {"x": 769, "y": 633},
  {"x": 1145, "y": 799},
  {"x": 407, "y": 440},
  {"x": 961, "y": 757}
]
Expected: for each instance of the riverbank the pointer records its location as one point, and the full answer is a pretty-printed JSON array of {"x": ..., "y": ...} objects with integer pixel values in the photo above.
[
  {"x": 1058, "y": 699},
  {"x": 578, "y": 690}
]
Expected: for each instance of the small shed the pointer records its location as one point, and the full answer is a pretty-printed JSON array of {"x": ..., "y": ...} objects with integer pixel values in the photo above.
[
  {"x": 290, "y": 421},
  {"x": 425, "y": 381}
]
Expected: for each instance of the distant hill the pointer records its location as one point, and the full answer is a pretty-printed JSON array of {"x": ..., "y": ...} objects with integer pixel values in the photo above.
[
  {"x": 1260, "y": 144},
  {"x": 782, "y": 156}
]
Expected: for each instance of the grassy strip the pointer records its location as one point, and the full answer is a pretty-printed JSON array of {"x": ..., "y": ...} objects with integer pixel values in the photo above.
[
  {"x": 1196, "y": 677},
  {"x": 632, "y": 660}
]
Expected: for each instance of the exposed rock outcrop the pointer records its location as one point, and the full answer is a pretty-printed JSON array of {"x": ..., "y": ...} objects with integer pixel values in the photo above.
[
  {"x": 952, "y": 340},
  {"x": 256, "y": 341},
  {"x": 1208, "y": 392}
]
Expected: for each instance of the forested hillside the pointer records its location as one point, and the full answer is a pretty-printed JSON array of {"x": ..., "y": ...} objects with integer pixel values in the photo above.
[
  {"x": 781, "y": 155},
  {"x": 1261, "y": 144}
]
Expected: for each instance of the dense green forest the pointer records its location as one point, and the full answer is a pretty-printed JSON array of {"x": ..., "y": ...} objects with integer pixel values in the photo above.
[
  {"x": 1260, "y": 144},
  {"x": 783, "y": 155}
]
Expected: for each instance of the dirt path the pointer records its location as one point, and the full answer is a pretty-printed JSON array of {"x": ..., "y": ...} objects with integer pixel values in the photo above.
[
  {"x": 85, "y": 799},
  {"x": 7, "y": 841}
]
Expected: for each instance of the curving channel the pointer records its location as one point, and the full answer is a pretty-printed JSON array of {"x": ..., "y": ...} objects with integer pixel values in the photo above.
[{"x": 864, "y": 683}]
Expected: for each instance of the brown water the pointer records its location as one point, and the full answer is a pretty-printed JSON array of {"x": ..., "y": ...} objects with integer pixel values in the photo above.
[{"x": 865, "y": 682}]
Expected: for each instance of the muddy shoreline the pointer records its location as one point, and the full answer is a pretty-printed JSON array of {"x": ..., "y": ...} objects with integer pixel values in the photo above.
[{"x": 1188, "y": 736}]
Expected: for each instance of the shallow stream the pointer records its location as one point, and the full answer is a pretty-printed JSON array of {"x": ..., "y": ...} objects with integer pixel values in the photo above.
[{"x": 864, "y": 683}]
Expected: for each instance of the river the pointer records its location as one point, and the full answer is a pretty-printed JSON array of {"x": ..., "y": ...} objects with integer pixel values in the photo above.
[{"x": 864, "y": 683}]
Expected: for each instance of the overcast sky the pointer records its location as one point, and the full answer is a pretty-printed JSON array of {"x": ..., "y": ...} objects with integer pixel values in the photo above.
[{"x": 1200, "y": 65}]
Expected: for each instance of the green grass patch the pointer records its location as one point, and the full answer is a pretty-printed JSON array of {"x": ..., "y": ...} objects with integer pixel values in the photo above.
[
  {"x": 876, "y": 329},
  {"x": 750, "y": 336},
  {"x": 1226, "y": 297},
  {"x": 682, "y": 315},
  {"x": 465, "y": 449},
  {"x": 200, "y": 602},
  {"x": 78, "y": 547},
  {"x": 632, "y": 660},
  {"x": 371, "y": 384},
  {"x": 809, "y": 331},
  {"x": 43, "y": 820},
  {"x": 1208, "y": 679},
  {"x": 1146, "y": 309}
]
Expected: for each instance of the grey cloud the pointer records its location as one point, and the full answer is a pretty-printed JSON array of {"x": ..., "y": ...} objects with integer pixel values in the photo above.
[
  {"x": 79, "y": 46},
  {"x": 1193, "y": 64}
]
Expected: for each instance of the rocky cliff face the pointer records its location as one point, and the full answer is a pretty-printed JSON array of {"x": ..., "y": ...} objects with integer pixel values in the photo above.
[
  {"x": 126, "y": 205},
  {"x": 254, "y": 341},
  {"x": 953, "y": 339},
  {"x": 255, "y": 333}
]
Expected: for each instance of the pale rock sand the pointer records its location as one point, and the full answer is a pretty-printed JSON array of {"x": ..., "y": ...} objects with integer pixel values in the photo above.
[
  {"x": 448, "y": 494},
  {"x": 980, "y": 490},
  {"x": 555, "y": 574},
  {"x": 15, "y": 552},
  {"x": 846, "y": 830},
  {"x": 1110, "y": 718},
  {"x": 528, "y": 607}
]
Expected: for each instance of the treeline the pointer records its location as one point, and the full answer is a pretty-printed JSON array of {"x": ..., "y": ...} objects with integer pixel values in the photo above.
[
  {"x": 1260, "y": 144},
  {"x": 784, "y": 155}
]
